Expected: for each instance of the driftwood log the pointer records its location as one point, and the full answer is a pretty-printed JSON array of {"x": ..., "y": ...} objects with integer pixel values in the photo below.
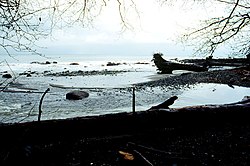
[
  {"x": 210, "y": 62},
  {"x": 52, "y": 141},
  {"x": 124, "y": 123},
  {"x": 197, "y": 65},
  {"x": 167, "y": 67}
]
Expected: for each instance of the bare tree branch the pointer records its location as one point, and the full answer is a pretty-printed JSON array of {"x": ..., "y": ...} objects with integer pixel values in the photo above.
[
  {"x": 218, "y": 31},
  {"x": 24, "y": 22}
]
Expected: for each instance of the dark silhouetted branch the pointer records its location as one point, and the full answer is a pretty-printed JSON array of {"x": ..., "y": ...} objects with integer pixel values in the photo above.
[{"x": 40, "y": 105}]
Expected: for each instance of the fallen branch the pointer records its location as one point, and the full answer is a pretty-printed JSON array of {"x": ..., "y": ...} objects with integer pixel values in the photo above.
[
  {"x": 75, "y": 87},
  {"x": 237, "y": 107},
  {"x": 148, "y": 148},
  {"x": 20, "y": 91},
  {"x": 143, "y": 157},
  {"x": 40, "y": 104},
  {"x": 165, "y": 104},
  {"x": 27, "y": 114}
]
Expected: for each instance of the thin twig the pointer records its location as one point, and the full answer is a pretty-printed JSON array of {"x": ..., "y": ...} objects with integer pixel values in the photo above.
[
  {"x": 143, "y": 157},
  {"x": 28, "y": 115},
  {"x": 10, "y": 68},
  {"x": 148, "y": 148}
]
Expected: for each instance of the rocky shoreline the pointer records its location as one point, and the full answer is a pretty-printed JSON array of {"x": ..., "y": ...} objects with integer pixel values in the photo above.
[
  {"x": 184, "y": 144},
  {"x": 237, "y": 76}
]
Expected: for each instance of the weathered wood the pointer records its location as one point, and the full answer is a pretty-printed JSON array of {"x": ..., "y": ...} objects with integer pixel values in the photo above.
[
  {"x": 133, "y": 100},
  {"x": 237, "y": 107},
  {"x": 136, "y": 146},
  {"x": 165, "y": 104},
  {"x": 167, "y": 67},
  {"x": 147, "y": 162},
  {"x": 127, "y": 123},
  {"x": 20, "y": 142},
  {"x": 210, "y": 62},
  {"x": 189, "y": 134},
  {"x": 40, "y": 104}
]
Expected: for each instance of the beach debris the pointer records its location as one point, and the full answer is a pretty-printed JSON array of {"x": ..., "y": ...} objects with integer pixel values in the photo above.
[
  {"x": 142, "y": 63},
  {"x": 126, "y": 155},
  {"x": 77, "y": 95},
  {"x": 150, "y": 149},
  {"x": 40, "y": 104},
  {"x": 218, "y": 62},
  {"x": 133, "y": 100},
  {"x": 143, "y": 158},
  {"x": 165, "y": 104},
  {"x": 167, "y": 67}
]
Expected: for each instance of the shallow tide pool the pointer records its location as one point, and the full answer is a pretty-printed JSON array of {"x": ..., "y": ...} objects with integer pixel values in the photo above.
[
  {"x": 205, "y": 93},
  {"x": 15, "y": 107}
]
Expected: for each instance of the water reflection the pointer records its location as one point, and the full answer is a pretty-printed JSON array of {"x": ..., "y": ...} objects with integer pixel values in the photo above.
[
  {"x": 15, "y": 107},
  {"x": 201, "y": 94}
]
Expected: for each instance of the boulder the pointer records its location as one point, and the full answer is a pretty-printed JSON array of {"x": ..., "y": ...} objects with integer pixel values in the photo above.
[
  {"x": 7, "y": 76},
  {"x": 77, "y": 95}
]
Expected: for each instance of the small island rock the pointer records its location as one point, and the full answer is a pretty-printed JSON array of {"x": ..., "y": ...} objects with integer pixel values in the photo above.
[{"x": 77, "y": 95}]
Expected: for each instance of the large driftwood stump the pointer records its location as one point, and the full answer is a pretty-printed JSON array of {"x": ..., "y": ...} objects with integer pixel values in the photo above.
[{"x": 167, "y": 67}]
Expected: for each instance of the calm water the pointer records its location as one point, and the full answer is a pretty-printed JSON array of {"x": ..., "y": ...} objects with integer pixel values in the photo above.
[{"x": 108, "y": 94}]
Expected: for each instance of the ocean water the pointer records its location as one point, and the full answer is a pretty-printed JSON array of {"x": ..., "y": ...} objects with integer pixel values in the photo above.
[
  {"x": 109, "y": 93},
  {"x": 21, "y": 63}
]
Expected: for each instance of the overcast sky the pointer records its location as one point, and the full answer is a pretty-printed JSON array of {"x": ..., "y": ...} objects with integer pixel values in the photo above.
[{"x": 156, "y": 29}]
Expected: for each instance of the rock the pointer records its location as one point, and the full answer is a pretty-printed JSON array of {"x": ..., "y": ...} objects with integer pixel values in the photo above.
[
  {"x": 41, "y": 63},
  {"x": 47, "y": 63},
  {"x": 74, "y": 63},
  {"x": 7, "y": 76},
  {"x": 77, "y": 95},
  {"x": 112, "y": 64}
]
